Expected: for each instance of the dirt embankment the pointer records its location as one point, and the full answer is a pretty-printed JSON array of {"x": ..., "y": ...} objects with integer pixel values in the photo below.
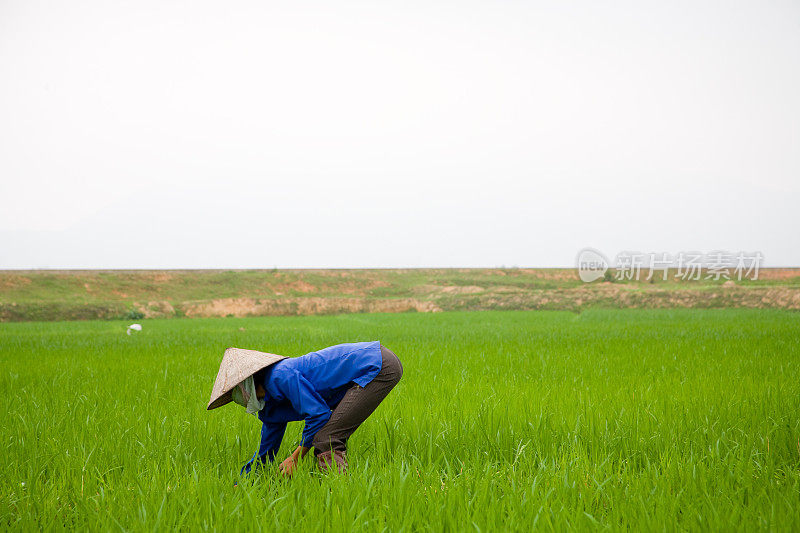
[
  {"x": 63, "y": 295},
  {"x": 241, "y": 307},
  {"x": 618, "y": 296},
  {"x": 451, "y": 298}
]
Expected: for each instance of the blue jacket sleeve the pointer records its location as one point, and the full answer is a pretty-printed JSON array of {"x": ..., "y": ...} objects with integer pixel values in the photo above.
[
  {"x": 271, "y": 437},
  {"x": 306, "y": 401}
]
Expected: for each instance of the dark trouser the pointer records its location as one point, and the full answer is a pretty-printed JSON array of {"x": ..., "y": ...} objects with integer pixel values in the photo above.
[{"x": 357, "y": 404}]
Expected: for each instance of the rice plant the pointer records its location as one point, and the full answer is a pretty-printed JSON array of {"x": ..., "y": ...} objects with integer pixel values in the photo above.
[{"x": 504, "y": 421}]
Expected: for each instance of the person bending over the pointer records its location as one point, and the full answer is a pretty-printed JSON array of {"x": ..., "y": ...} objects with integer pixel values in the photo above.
[{"x": 334, "y": 390}]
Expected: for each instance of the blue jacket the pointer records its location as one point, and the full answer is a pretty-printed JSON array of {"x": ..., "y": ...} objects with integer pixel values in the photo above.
[{"x": 309, "y": 388}]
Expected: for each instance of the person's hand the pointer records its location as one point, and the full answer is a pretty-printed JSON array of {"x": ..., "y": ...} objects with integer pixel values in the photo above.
[{"x": 288, "y": 466}]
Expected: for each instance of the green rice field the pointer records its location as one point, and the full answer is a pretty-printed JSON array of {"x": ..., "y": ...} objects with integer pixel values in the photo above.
[{"x": 503, "y": 421}]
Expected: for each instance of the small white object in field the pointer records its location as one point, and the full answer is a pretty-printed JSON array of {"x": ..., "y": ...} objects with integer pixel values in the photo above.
[{"x": 134, "y": 327}]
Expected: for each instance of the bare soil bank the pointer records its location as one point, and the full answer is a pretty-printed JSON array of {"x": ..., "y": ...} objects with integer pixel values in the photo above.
[{"x": 80, "y": 295}]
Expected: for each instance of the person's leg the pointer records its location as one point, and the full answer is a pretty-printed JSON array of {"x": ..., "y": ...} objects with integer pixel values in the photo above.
[{"x": 356, "y": 405}]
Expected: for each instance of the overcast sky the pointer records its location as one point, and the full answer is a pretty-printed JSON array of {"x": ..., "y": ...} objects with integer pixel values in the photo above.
[{"x": 261, "y": 134}]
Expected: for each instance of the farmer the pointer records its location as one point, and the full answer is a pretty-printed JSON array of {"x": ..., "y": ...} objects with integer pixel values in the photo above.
[{"x": 334, "y": 390}]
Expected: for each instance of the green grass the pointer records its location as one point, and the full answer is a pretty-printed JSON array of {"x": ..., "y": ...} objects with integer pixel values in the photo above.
[{"x": 619, "y": 419}]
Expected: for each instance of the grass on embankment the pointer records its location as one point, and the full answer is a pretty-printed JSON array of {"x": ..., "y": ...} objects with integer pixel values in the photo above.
[{"x": 81, "y": 295}]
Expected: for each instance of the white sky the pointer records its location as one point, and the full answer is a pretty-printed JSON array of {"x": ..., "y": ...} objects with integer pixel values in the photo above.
[{"x": 198, "y": 134}]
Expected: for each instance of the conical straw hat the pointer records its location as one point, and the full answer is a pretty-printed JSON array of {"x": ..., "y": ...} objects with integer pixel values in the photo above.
[{"x": 236, "y": 366}]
